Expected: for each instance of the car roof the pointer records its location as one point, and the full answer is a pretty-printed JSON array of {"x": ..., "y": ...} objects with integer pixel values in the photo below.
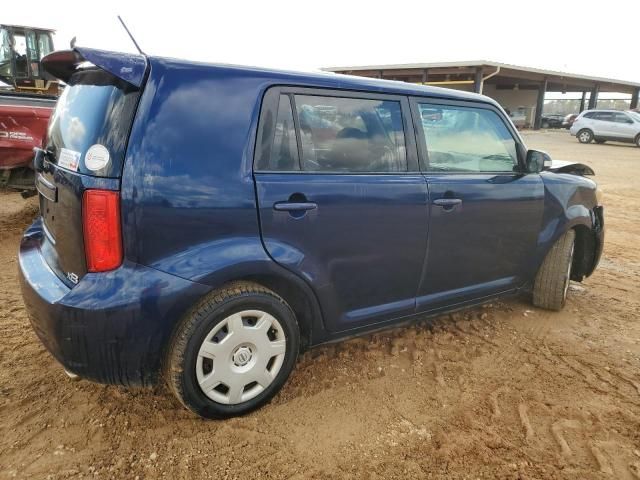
[
  {"x": 131, "y": 68},
  {"x": 604, "y": 110},
  {"x": 335, "y": 81}
]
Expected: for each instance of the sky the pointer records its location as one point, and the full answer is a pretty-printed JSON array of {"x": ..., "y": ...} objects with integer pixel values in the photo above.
[{"x": 577, "y": 37}]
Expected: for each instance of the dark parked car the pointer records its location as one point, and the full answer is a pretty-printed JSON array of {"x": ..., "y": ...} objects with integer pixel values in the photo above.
[
  {"x": 568, "y": 120},
  {"x": 201, "y": 224},
  {"x": 552, "y": 121}
]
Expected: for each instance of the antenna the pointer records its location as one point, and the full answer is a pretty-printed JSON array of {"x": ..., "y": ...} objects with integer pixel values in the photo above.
[{"x": 130, "y": 36}]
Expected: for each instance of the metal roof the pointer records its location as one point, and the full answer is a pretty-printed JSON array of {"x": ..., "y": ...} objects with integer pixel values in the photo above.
[
  {"x": 28, "y": 28},
  {"x": 483, "y": 63}
]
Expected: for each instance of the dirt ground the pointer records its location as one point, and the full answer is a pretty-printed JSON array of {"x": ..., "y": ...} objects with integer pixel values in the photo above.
[{"x": 501, "y": 391}]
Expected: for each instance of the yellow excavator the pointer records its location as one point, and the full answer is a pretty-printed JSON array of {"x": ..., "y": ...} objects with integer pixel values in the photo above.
[{"x": 21, "y": 49}]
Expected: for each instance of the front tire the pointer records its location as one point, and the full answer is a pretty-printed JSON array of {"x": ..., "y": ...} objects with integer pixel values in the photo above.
[
  {"x": 552, "y": 281},
  {"x": 233, "y": 352},
  {"x": 585, "y": 136}
]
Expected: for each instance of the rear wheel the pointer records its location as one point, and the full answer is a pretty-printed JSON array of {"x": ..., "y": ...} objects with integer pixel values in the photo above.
[
  {"x": 585, "y": 136},
  {"x": 545, "y": 124},
  {"x": 552, "y": 281},
  {"x": 638, "y": 141},
  {"x": 233, "y": 352}
]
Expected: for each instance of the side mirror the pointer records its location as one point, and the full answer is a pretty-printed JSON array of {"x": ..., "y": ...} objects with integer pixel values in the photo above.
[{"x": 536, "y": 161}]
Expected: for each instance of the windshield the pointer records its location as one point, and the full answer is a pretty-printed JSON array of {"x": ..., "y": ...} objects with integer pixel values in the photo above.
[{"x": 95, "y": 109}]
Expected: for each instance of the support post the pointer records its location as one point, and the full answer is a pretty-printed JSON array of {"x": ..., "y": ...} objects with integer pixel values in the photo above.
[
  {"x": 593, "y": 99},
  {"x": 425, "y": 76},
  {"x": 477, "y": 80},
  {"x": 634, "y": 98},
  {"x": 582, "y": 102},
  {"x": 380, "y": 73},
  {"x": 542, "y": 89}
]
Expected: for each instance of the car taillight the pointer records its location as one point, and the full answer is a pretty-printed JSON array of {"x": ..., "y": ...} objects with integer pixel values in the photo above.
[{"x": 101, "y": 224}]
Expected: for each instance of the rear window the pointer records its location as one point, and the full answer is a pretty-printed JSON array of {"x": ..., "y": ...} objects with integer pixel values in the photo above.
[{"x": 89, "y": 128}]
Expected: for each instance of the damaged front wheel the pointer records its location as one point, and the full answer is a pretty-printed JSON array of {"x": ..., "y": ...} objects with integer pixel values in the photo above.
[{"x": 552, "y": 281}]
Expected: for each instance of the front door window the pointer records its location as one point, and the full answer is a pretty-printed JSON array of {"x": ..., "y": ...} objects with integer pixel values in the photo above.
[{"x": 462, "y": 139}]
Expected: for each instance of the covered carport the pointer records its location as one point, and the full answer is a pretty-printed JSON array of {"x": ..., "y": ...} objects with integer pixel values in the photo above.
[{"x": 514, "y": 87}]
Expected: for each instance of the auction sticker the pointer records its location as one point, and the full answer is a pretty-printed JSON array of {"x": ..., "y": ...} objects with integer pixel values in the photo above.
[
  {"x": 97, "y": 157},
  {"x": 69, "y": 159}
]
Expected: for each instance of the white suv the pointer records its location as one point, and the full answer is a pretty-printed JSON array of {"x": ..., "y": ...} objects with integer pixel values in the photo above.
[{"x": 603, "y": 125}]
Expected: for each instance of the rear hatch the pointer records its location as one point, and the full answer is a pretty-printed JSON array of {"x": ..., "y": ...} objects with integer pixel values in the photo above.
[{"x": 85, "y": 147}]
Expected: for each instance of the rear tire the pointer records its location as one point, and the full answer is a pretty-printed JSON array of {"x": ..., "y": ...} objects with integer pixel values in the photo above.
[
  {"x": 233, "y": 351},
  {"x": 545, "y": 125},
  {"x": 638, "y": 141},
  {"x": 552, "y": 281},
  {"x": 585, "y": 136}
]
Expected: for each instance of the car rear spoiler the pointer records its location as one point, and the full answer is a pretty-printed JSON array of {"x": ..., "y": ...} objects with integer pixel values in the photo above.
[{"x": 125, "y": 66}]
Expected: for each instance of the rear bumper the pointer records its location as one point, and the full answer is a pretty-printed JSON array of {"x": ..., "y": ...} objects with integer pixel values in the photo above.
[{"x": 112, "y": 327}]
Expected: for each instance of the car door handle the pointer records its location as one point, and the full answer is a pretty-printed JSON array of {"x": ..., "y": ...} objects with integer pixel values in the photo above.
[
  {"x": 294, "y": 206},
  {"x": 447, "y": 203}
]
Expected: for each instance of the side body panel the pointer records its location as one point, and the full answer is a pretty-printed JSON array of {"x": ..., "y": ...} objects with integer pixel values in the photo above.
[
  {"x": 186, "y": 190},
  {"x": 361, "y": 249},
  {"x": 188, "y": 195},
  {"x": 569, "y": 202},
  {"x": 482, "y": 246},
  {"x": 483, "y": 225}
]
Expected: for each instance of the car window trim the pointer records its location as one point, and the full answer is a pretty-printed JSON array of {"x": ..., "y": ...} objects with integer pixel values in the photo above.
[
  {"x": 270, "y": 101},
  {"x": 423, "y": 153},
  {"x": 296, "y": 127}
]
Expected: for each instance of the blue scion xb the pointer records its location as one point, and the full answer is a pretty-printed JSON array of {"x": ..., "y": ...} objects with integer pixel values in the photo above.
[{"x": 202, "y": 224}]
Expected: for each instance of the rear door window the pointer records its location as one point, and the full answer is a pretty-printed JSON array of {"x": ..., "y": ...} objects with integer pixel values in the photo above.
[
  {"x": 466, "y": 139},
  {"x": 341, "y": 134},
  {"x": 603, "y": 116}
]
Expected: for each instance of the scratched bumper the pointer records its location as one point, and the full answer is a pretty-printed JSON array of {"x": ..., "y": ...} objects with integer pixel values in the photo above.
[{"x": 112, "y": 327}]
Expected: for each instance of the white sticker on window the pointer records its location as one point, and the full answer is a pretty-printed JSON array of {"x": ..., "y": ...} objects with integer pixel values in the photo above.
[
  {"x": 69, "y": 159},
  {"x": 97, "y": 157}
]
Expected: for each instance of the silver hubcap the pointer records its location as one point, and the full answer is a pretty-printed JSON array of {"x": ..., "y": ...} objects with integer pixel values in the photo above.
[
  {"x": 584, "y": 136},
  {"x": 240, "y": 357}
]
